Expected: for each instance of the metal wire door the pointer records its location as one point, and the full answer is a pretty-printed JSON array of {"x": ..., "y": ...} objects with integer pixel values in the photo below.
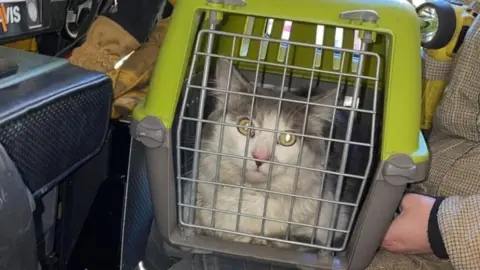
[{"x": 193, "y": 115}]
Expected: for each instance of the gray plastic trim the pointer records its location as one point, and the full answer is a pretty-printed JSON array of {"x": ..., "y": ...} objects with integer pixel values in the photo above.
[
  {"x": 365, "y": 15},
  {"x": 229, "y": 2},
  {"x": 399, "y": 170},
  {"x": 150, "y": 131}
]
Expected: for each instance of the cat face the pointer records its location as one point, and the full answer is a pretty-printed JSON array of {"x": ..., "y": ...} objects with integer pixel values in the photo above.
[{"x": 265, "y": 145}]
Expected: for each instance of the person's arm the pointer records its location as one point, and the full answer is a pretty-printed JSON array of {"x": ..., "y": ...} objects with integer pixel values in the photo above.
[{"x": 454, "y": 230}]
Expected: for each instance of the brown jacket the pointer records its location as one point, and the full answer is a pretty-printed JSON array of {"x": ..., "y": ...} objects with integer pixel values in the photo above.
[
  {"x": 455, "y": 152},
  {"x": 459, "y": 222}
]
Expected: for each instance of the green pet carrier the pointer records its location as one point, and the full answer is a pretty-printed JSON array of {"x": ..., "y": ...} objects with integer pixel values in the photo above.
[{"x": 232, "y": 172}]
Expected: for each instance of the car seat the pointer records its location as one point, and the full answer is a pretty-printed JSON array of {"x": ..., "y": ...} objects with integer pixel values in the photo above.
[{"x": 54, "y": 119}]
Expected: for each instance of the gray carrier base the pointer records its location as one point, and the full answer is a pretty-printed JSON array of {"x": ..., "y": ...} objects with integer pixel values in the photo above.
[{"x": 380, "y": 203}]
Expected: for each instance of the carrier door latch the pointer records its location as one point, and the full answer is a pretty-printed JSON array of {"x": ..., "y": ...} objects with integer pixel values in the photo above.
[{"x": 399, "y": 170}]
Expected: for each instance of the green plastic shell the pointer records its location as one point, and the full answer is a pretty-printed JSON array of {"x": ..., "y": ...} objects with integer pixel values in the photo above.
[{"x": 398, "y": 43}]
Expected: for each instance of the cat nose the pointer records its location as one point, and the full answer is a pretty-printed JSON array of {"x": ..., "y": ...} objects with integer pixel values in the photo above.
[{"x": 260, "y": 155}]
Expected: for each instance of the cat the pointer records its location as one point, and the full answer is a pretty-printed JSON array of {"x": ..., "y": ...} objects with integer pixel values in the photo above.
[{"x": 260, "y": 144}]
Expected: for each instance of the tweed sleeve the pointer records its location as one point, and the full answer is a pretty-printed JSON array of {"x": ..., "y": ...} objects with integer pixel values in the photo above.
[{"x": 459, "y": 225}]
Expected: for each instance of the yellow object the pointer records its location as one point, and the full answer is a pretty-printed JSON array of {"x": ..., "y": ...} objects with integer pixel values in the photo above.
[
  {"x": 105, "y": 45},
  {"x": 29, "y": 45},
  {"x": 433, "y": 87},
  {"x": 134, "y": 75},
  {"x": 3, "y": 16},
  {"x": 401, "y": 127},
  {"x": 431, "y": 97}
]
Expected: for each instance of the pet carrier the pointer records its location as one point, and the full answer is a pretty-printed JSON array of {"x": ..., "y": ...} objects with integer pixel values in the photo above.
[{"x": 248, "y": 152}]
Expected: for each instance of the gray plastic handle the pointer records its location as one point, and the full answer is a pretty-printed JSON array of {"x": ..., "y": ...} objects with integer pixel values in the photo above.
[
  {"x": 229, "y": 2},
  {"x": 364, "y": 15}
]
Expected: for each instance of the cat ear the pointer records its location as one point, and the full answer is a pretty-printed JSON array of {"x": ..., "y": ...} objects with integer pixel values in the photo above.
[
  {"x": 324, "y": 113},
  {"x": 238, "y": 83}
]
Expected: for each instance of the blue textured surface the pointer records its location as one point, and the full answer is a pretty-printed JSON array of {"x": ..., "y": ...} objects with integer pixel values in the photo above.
[{"x": 138, "y": 214}]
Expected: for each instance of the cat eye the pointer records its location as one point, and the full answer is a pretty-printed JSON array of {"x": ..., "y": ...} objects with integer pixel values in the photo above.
[
  {"x": 286, "y": 139},
  {"x": 244, "y": 123}
]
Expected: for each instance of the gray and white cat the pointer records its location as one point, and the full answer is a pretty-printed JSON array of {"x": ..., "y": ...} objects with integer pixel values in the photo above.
[{"x": 287, "y": 149}]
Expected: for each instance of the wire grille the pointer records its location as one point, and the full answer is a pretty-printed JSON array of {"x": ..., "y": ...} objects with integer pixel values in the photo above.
[{"x": 240, "y": 177}]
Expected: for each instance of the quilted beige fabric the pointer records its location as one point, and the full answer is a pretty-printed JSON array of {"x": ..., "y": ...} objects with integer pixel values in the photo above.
[
  {"x": 455, "y": 166},
  {"x": 435, "y": 70}
]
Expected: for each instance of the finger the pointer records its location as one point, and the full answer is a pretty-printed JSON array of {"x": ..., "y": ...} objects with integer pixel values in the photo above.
[
  {"x": 393, "y": 239},
  {"x": 394, "y": 247},
  {"x": 392, "y": 242}
]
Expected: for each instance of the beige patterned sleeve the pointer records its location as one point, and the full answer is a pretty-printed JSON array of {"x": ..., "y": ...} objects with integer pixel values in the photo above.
[{"x": 459, "y": 224}]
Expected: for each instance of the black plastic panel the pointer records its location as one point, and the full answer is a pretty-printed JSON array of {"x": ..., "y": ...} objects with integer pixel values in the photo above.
[
  {"x": 17, "y": 234},
  {"x": 53, "y": 121},
  {"x": 77, "y": 196}
]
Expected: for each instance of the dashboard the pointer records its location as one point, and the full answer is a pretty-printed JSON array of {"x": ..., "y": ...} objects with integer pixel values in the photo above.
[{"x": 26, "y": 18}]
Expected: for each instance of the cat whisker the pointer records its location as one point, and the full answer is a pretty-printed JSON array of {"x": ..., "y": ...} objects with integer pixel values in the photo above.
[
  {"x": 199, "y": 168},
  {"x": 227, "y": 167},
  {"x": 189, "y": 161},
  {"x": 192, "y": 140}
]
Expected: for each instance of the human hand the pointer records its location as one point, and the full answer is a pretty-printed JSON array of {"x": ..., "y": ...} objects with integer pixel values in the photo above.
[{"x": 408, "y": 232}]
